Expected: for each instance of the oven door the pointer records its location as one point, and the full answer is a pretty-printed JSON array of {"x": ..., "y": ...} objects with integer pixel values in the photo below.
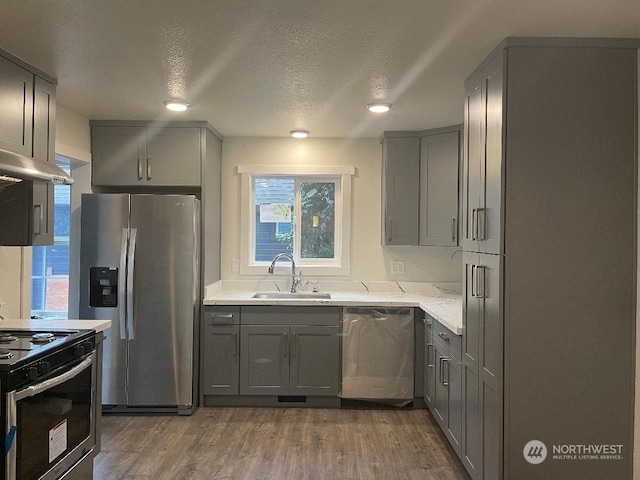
[{"x": 50, "y": 424}]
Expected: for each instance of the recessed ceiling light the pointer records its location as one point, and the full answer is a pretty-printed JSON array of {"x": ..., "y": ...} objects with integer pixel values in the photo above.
[
  {"x": 379, "y": 107},
  {"x": 299, "y": 133},
  {"x": 176, "y": 105}
]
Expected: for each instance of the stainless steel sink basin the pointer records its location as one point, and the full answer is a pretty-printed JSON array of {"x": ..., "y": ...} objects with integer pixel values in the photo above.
[{"x": 292, "y": 296}]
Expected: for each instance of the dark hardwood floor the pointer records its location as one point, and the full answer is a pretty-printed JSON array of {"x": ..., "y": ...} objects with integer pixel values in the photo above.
[{"x": 277, "y": 443}]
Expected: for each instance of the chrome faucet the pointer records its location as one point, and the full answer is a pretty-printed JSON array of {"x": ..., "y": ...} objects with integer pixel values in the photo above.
[{"x": 295, "y": 279}]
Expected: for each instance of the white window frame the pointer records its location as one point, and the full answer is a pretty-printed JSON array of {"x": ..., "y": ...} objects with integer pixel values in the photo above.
[{"x": 342, "y": 175}]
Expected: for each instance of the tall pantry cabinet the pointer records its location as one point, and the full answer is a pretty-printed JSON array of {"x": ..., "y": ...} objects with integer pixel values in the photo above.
[{"x": 549, "y": 239}]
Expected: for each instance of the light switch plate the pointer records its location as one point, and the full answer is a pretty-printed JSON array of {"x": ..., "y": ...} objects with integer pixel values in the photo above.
[{"x": 397, "y": 267}]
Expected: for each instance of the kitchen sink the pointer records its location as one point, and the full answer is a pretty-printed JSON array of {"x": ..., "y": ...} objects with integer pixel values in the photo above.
[{"x": 292, "y": 296}]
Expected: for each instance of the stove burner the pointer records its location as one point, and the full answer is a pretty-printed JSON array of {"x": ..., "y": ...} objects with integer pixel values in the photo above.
[
  {"x": 44, "y": 337},
  {"x": 7, "y": 337},
  {"x": 5, "y": 354}
]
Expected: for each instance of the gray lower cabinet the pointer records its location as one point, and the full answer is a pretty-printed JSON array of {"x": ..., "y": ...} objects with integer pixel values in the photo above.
[
  {"x": 221, "y": 351},
  {"x": 429, "y": 365},
  {"x": 447, "y": 401},
  {"x": 289, "y": 360}
]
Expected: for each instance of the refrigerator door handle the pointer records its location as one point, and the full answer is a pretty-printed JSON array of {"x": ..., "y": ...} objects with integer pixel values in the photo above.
[
  {"x": 130, "y": 270},
  {"x": 122, "y": 280}
]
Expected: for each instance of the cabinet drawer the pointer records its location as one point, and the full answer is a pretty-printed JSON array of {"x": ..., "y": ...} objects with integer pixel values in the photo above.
[
  {"x": 448, "y": 339},
  {"x": 221, "y": 315},
  {"x": 254, "y": 315}
]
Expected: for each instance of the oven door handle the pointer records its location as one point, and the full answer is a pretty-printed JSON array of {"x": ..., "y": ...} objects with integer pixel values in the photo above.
[{"x": 55, "y": 381}]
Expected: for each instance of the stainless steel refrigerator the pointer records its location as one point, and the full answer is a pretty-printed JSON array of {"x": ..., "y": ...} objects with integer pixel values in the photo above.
[{"x": 139, "y": 267}]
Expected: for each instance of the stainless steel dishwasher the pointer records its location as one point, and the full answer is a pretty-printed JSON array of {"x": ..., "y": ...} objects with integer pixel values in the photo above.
[{"x": 378, "y": 355}]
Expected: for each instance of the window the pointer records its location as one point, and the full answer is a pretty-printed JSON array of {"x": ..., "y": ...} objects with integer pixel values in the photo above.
[
  {"x": 301, "y": 211},
  {"x": 50, "y": 263}
]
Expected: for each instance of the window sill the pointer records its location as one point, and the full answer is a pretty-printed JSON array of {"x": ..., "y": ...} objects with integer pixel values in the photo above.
[{"x": 307, "y": 270}]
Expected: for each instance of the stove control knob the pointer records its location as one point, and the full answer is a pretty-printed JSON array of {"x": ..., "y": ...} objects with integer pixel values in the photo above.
[
  {"x": 32, "y": 372},
  {"x": 82, "y": 349},
  {"x": 45, "y": 367}
]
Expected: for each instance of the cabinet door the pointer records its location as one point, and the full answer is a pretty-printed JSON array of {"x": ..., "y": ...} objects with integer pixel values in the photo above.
[
  {"x": 441, "y": 402},
  {"x": 471, "y": 314},
  {"x": 173, "y": 157},
  {"x": 482, "y": 160},
  {"x": 118, "y": 156},
  {"x": 429, "y": 366},
  {"x": 490, "y": 213},
  {"x": 439, "y": 161},
  {"x": 401, "y": 184},
  {"x": 315, "y": 360},
  {"x": 264, "y": 360},
  {"x": 16, "y": 108},
  {"x": 43, "y": 149},
  {"x": 491, "y": 361},
  {"x": 472, "y": 162},
  {"x": 221, "y": 360},
  {"x": 453, "y": 379}
]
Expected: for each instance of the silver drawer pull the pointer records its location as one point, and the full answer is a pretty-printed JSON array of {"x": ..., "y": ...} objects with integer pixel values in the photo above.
[{"x": 443, "y": 336}]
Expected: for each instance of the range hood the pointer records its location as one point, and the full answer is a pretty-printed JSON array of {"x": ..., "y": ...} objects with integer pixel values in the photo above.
[{"x": 15, "y": 168}]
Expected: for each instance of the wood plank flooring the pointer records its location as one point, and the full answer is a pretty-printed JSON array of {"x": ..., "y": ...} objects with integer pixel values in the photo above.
[{"x": 277, "y": 443}]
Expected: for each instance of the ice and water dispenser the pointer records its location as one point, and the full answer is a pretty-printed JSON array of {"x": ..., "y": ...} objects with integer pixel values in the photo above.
[{"x": 103, "y": 287}]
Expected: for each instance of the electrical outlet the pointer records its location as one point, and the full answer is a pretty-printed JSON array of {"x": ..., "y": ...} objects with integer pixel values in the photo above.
[
  {"x": 397, "y": 267},
  {"x": 235, "y": 265}
]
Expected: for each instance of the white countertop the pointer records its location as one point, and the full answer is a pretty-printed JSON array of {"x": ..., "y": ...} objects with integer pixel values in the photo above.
[
  {"x": 45, "y": 323},
  {"x": 446, "y": 308}
]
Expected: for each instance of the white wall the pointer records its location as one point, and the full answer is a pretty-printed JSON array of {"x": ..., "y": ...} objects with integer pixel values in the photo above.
[{"x": 369, "y": 259}]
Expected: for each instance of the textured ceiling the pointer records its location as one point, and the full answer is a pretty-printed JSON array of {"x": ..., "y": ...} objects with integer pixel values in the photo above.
[{"x": 264, "y": 67}]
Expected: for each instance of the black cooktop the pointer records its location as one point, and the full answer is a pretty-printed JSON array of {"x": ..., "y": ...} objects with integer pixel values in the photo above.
[{"x": 20, "y": 346}]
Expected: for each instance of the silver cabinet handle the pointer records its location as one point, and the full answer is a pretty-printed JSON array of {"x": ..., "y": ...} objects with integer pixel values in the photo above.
[
  {"x": 441, "y": 370},
  {"x": 481, "y": 224},
  {"x": 429, "y": 347},
  {"x": 479, "y": 282},
  {"x": 453, "y": 230},
  {"x": 149, "y": 167},
  {"x": 473, "y": 279},
  {"x": 294, "y": 346},
  {"x": 474, "y": 224},
  {"x": 235, "y": 344},
  {"x": 445, "y": 382},
  {"x": 443, "y": 336},
  {"x": 285, "y": 338},
  {"x": 37, "y": 219},
  {"x": 220, "y": 318},
  {"x": 140, "y": 168}
]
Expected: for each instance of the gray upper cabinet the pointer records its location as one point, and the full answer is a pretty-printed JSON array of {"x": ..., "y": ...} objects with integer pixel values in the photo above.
[
  {"x": 16, "y": 108},
  {"x": 420, "y": 172},
  {"x": 482, "y": 160},
  {"x": 400, "y": 190},
  {"x": 138, "y": 155},
  {"x": 27, "y": 127},
  {"x": 439, "y": 167}
]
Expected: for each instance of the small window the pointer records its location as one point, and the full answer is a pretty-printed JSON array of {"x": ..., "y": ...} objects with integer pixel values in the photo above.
[
  {"x": 305, "y": 213},
  {"x": 50, "y": 263}
]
